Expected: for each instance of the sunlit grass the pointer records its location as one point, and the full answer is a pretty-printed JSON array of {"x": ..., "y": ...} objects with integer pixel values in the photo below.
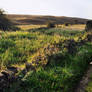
[
  {"x": 73, "y": 27},
  {"x": 26, "y": 27},
  {"x": 39, "y": 47}
]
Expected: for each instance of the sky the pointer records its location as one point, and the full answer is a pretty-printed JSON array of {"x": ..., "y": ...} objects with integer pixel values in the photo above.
[{"x": 70, "y": 8}]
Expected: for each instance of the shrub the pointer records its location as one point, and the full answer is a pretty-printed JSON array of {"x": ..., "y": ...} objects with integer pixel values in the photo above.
[
  {"x": 88, "y": 26},
  {"x": 71, "y": 46},
  {"x": 76, "y": 21},
  {"x": 89, "y": 37},
  {"x": 50, "y": 25},
  {"x": 66, "y": 24},
  {"x": 5, "y": 23}
]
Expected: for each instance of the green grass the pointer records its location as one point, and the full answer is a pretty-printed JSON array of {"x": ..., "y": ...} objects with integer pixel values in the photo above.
[
  {"x": 63, "y": 71},
  {"x": 89, "y": 86},
  {"x": 17, "y": 47},
  {"x": 61, "y": 75},
  {"x": 60, "y": 32}
]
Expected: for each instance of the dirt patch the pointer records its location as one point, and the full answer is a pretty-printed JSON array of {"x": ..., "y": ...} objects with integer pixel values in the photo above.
[{"x": 85, "y": 80}]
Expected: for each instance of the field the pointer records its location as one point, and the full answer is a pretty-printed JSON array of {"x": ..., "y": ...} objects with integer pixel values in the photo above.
[
  {"x": 47, "y": 60},
  {"x": 76, "y": 27}
]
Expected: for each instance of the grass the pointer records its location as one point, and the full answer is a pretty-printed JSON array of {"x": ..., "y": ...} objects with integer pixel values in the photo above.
[
  {"x": 62, "y": 74},
  {"x": 89, "y": 87},
  {"x": 73, "y": 27},
  {"x": 58, "y": 31},
  {"x": 21, "y": 45},
  {"x": 57, "y": 69},
  {"x": 26, "y": 27}
]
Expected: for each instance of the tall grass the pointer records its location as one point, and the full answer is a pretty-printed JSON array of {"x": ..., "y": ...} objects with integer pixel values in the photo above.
[{"x": 59, "y": 70}]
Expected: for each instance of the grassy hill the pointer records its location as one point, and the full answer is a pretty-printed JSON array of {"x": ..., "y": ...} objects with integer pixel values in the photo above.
[{"x": 37, "y": 19}]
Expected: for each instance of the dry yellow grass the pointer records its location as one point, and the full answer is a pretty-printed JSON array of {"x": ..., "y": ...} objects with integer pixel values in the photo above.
[
  {"x": 26, "y": 27},
  {"x": 70, "y": 27},
  {"x": 73, "y": 27}
]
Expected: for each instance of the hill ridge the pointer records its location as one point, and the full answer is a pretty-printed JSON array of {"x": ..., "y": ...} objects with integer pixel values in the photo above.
[{"x": 42, "y": 19}]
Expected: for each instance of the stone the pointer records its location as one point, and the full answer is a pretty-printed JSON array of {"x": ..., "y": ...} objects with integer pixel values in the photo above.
[
  {"x": 13, "y": 69},
  {"x": 30, "y": 67}
]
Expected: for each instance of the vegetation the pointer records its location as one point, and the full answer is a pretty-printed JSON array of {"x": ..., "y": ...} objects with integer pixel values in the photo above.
[
  {"x": 5, "y": 23},
  {"x": 66, "y": 24},
  {"x": 89, "y": 26},
  {"x": 60, "y": 58},
  {"x": 89, "y": 86},
  {"x": 50, "y": 25},
  {"x": 60, "y": 76},
  {"x": 41, "y": 20}
]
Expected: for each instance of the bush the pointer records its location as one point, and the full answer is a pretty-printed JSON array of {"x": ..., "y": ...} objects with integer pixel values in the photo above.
[
  {"x": 76, "y": 21},
  {"x": 5, "y": 23},
  {"x": 66, "y": 24},
  {"x": 50, "y": 25},
  {"x": 88, "y": 26}
]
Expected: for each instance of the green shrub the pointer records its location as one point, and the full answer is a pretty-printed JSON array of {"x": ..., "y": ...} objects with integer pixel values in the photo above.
[
  {"x": 50, "y": 25},
  {"x": 5, "y": 23},
  {"x": 88, "y": 27},
  {"x": 66, "y": 24}
]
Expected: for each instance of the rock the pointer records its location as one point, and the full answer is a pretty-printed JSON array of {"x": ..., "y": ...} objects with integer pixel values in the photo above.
[
  {"x": 13, "y": 69},
  {"x": 90, "y": 63},
  {"x": 3, "y": 81},
  {"x": 24, "y": 71},
  {"x": 30, "y": 67},
  {"x": 8, "y": 77},
  {"x": 1, "y": 75},
  {"x": 5, "y": 74}
]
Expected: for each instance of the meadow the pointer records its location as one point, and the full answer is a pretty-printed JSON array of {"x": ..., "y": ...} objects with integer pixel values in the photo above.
[{"x": 60, "y": 57}]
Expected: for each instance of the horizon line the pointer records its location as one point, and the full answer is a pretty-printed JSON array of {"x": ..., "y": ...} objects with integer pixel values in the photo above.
[{"x": 47, "y": 15}]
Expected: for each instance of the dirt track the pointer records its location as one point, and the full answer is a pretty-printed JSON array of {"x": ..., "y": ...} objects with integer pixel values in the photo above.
[{"x": 85, "y": 80}]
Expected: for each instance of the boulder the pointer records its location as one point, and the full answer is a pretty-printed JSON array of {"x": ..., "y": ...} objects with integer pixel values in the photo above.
[{"x": 13, "y": 69}]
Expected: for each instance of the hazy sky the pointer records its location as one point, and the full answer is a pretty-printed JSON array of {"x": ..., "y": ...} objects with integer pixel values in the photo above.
[{"x": 75, "y": 8}]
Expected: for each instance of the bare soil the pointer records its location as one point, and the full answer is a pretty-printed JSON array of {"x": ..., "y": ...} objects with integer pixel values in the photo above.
[{"x": 85, "y": 80}]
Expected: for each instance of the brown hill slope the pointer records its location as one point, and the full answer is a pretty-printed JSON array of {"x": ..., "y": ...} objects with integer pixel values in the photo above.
[{"x": 36, "y": 19}]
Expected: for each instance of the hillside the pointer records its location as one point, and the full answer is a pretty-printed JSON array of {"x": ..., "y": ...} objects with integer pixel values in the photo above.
[{"x": 37, "y": 19}]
